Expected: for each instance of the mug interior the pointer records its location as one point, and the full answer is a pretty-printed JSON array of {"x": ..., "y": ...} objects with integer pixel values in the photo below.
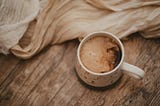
[{"x": 105, "y": 34}]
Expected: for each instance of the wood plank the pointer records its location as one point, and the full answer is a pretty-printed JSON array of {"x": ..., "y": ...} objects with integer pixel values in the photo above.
[
  {"x": 50, "y": 79},
  {"x": 6, "y": 67},
  {"x": 28, "y": 75}
]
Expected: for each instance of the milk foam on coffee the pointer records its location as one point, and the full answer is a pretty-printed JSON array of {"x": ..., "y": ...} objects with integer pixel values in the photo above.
[{"x": 100, "y": 54}]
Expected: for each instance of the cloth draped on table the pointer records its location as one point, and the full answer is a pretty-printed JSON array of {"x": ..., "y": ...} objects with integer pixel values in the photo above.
[{"x": 28, "y": 26}]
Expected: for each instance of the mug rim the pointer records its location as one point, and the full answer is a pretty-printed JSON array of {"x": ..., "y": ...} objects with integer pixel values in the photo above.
[{"x": 104, "y": 34}]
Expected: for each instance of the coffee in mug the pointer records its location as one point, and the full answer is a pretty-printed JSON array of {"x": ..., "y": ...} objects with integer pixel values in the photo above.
[
  {"x": 100, "y": 54},
  {"x": 100, "y": 60}
]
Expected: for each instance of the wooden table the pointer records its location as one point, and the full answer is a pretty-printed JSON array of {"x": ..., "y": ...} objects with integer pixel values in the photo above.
[{"x": 50, "y": 79}]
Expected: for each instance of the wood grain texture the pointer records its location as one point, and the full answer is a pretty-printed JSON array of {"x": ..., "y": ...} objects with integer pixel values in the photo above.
[{"x": 49, "y": 79}]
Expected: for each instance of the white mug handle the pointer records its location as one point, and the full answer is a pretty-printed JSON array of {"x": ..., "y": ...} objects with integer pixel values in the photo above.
[{"x": 132, "y": 70}]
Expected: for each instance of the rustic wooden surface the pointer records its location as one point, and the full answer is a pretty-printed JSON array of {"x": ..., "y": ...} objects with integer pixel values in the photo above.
[{"x": 50, "y": 79}]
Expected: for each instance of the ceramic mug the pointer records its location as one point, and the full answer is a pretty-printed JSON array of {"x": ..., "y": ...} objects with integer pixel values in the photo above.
[{"x": 110, "y": 77}]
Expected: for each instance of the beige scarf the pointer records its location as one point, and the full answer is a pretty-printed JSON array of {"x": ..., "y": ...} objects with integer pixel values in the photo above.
[{"x": 25, "y": 32}]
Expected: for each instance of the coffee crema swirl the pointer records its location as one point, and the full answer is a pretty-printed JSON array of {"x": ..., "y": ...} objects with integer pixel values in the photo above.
[{"x": 100, "y": 54}]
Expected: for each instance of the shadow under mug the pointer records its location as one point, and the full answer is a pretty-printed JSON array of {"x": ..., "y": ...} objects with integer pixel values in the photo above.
[{"x": 110, "y": 77}]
